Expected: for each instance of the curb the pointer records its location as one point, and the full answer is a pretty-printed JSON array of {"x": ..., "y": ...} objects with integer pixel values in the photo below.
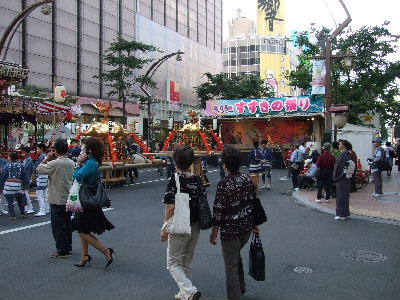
[{"x": 304, "y": 202}]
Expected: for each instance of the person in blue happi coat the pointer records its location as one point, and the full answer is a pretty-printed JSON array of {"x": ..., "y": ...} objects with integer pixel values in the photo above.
[
  {"x": 255, "y": 163},
  {"x": 267, "y": 157},
  {"x": 28, "y": 166},
  {"x": 14, "y": 179}
]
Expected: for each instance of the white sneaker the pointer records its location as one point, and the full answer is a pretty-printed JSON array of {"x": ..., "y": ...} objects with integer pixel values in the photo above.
[
  {"x": 340, "y": 218},
  {"x": 296, "y": 189},
  {"x": 268, "y": 187},
  {"x": 40, "y": 214},
  {"x": 377, "y": 195},
  {"x": 264, "y": 186},
  {"x": 29, "y": 211},
  {"x": 327, "y": 201},
  {"x": 3, "y": 212},
  {"x": 318, "y": 201}
]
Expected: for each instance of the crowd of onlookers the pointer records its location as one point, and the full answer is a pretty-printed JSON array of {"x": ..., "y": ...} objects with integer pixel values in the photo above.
[{"x": 333, "y": 172}]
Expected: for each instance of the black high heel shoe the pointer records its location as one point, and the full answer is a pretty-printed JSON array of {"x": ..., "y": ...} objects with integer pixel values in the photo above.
[
  {"x": 111, "y": 258},
  {"x": 83, "y": 264}
]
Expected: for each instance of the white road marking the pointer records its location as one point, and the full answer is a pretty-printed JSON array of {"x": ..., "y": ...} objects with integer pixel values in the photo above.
[{"x": 36, "y": 225}]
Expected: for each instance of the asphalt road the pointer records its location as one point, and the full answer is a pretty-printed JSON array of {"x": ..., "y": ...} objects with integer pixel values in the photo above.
[{"x": 294, "y": 236}]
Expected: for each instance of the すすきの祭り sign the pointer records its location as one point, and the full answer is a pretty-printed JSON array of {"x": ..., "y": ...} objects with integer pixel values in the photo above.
[{"x": 264, "y": 106}]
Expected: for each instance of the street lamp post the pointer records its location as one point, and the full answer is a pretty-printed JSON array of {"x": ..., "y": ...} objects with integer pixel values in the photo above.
[
  {"x": 150, "y": 72},
  {"x": 12, "y": 28},
  {"x": 327, "y": 56}
]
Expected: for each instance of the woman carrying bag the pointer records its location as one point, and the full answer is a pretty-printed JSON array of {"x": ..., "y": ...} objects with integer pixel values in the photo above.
[
  {"x": 93, "y": 221},
  {"x": 233, "y": 216},
  {"x": 181, "y": 222}
]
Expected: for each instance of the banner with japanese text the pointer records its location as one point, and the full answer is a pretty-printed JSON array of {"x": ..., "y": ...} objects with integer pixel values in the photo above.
[{"x": 265, "y": 106}]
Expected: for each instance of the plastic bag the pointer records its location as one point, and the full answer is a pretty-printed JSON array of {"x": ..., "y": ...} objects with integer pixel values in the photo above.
[{"x": 73, "y": 203}]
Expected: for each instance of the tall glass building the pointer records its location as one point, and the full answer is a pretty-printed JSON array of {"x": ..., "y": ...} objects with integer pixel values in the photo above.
[{"x": 66, "y": 45}]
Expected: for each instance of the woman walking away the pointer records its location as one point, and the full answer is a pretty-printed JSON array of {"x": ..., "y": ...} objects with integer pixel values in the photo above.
[
  {"x": 93, "y": 221},
  {"x": 342, "y": 181},
  {"x": 232, "y": 215},
  {"x": 325, "y": 163},
  {"x": 181, "y": 247}
]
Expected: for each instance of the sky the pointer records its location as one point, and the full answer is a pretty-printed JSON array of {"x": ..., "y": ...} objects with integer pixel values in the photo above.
[{"x": 301, "y": 13}]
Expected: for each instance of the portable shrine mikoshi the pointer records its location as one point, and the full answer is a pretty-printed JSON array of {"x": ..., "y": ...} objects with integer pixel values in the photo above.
[
  {"x": 204, "y": 142},
  {"x": 115, "y": 137}
]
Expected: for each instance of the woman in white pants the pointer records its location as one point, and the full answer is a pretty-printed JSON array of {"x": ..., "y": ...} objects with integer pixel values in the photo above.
[
  {"x": 181, "y": 247},
  {"x": 41, "y": 183}
]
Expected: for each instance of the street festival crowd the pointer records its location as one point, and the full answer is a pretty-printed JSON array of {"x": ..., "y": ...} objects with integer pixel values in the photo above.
[{"x": 71, "y": 172}]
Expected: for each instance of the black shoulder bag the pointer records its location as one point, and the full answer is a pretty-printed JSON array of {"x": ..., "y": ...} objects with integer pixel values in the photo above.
[
  {"x": 259, "y": 215},
  {"x": 93, "y": 197},
  {"x": 256, "y": 258}
]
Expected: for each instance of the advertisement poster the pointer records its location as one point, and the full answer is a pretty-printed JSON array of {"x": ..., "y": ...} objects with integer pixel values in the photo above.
[
  {"x": 318, "y": 77},
  {"x": 278, "y": 131}
]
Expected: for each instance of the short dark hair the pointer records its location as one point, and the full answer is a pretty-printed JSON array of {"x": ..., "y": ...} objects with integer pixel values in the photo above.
[
  {"x": 335, "y": 145},
  {"x": 61, "y": 146},
  {"x": 13, "y": 156},
  {"x": 42, "y": 146},
  {"x": 346, "y": 144},
  {"x": 256, "y": 144},
  {"x": 26, "y": 149},
  {"x": 231, "y": 158},
  {"x": 95, "y": 147},
  {"x": 264, "y": 142},
  {"x": 350, "y": 146},
  {"x": 183, "y": 157}
]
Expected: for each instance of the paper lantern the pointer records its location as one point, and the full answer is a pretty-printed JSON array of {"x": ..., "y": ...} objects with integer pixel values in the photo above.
[{"x": 60, "y": 93}]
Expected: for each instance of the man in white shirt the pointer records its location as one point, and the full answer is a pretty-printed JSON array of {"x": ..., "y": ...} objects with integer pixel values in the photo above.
[{"x": 307, "y": 180}]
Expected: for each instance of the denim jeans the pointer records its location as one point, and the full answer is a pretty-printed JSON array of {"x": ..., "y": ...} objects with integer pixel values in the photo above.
[
  {"x": 61, "y": 228},
  {"x": 10, "y": 202}
]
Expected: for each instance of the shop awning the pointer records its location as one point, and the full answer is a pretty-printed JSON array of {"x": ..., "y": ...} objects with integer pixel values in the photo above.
[{"x": 47, "y": 107}]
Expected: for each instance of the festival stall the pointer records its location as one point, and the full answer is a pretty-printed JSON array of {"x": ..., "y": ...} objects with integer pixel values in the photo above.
[{"x": 281, "y": 121}]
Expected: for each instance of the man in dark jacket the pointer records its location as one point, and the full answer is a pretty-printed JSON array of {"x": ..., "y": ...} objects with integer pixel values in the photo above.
[
  {"x": 377, "y": 166},
  {"x": 342, "y": 182}
]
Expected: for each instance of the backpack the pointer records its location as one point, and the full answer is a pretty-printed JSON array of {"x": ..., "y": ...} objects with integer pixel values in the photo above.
[{"x": 349, "y": 168}]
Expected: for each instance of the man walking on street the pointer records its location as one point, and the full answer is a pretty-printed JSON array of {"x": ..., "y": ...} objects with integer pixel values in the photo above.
[
  {"x": 377, "y": 166},
  {"x": 59, "y": 168},
  {"x": 267, "y": 157}
]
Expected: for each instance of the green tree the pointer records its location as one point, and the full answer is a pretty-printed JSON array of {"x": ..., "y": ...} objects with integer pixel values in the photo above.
[
  {"x": 219, "y": 86},
  {"x": 123, "y": 59},
  {"x": 370, "y": 85}
]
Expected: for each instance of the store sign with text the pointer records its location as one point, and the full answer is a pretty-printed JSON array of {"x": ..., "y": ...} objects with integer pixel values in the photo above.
[
  {"x": 264, "y": 106},
  {"x": 174, "y": 96}
]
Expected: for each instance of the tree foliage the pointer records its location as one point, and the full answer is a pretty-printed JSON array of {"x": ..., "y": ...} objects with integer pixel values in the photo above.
[
  {"x": 370, "y": 85},
  {"x": 123, "y": 58},
  {"x": 219, "y": 86}
]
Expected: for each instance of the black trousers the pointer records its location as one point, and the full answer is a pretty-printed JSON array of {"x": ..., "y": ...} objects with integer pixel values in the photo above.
[
  {"x": 325, "y": 181},
  {"x": 61, "y": 228}
]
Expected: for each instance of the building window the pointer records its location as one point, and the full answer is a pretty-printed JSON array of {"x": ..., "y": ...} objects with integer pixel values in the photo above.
[
  {"x": 233, "y": 62},
  {"x": 243, "y": 62},
  {"x": 243, "y": 49},
  {"x": 233, "y": 50}
]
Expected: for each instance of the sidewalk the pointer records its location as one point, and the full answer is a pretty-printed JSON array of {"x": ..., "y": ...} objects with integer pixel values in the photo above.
[{"x": 385, "y": 209}]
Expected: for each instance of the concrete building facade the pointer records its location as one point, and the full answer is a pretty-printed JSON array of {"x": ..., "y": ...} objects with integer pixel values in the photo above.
[
  {"x": 66, "y": 45},
  {"x": 264, "y": 53}
]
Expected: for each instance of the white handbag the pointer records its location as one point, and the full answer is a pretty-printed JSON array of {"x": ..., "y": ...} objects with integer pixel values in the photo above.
[{"x": 179, "y": 223}]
